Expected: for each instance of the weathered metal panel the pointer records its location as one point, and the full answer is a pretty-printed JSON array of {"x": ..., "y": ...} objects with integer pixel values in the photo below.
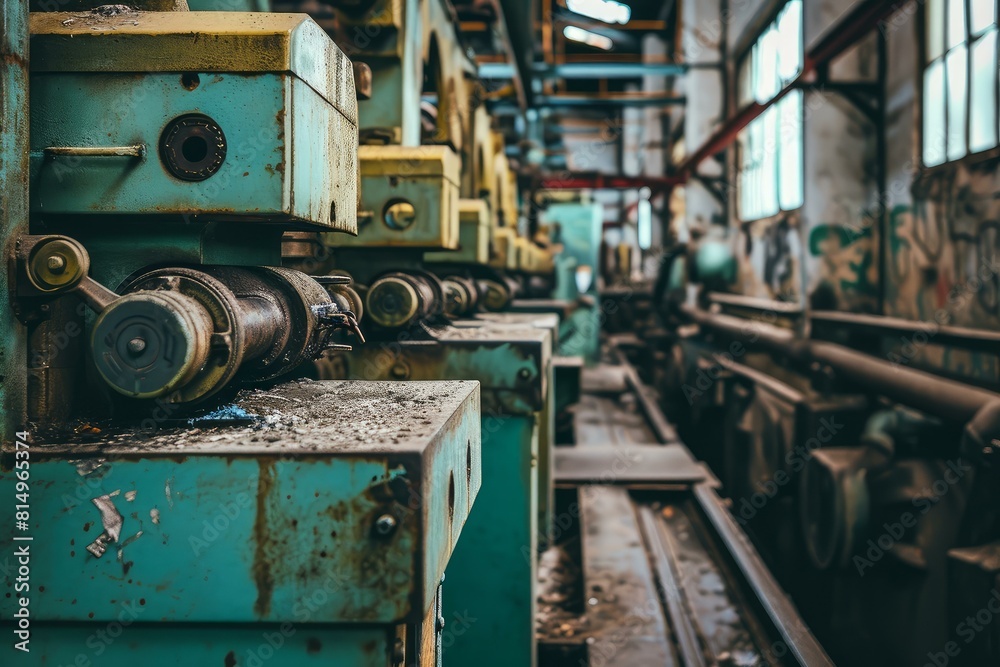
[
  {"x": 14, "y": 211},
  {"x": 473, "y": 236},
  {"x": 491, "y": 575},
  {"x": 426, "y": 178},
  {"x": 512, "y": 366},
  {"x": 547, "y": 416},
  {"x": 132, "y": 640},
  {"x": 236, "y": 522},
  {"x": 112, "y": 90},
  {"x": 489, "y": 603}
]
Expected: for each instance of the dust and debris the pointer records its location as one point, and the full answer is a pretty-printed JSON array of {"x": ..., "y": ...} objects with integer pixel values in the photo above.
[
  {"x": 85, "y": 467},
  {"x": 224, "y": 414},
  {"x": 558, "y": 596},
  {"x": 130, "y": 495},
  {"x": 112, "y": 10},
  {"x": 167, "y": 493},
  {"x": 304, "y": 416},
  {"x": 154, "y": 515}
]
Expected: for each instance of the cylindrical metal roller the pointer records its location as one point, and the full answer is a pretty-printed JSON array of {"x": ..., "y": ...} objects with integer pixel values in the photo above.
[
  {"x": 399, "y": 300},
  {"x": 186, "y": 333},
  {"x": 496, "y": 295},
  {"x": 461, "y": 296}
]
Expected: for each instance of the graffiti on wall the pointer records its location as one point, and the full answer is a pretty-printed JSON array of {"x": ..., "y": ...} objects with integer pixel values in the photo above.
[
  {"x": 845, "y": 265},
  {"x": 770, "y": 258},
  {"x": 944, "y": 263}
]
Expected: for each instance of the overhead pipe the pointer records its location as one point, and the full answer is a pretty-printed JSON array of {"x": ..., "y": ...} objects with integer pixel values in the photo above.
[{"x": 948, "y": 399}]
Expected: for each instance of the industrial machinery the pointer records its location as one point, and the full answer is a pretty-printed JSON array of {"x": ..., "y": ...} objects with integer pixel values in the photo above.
[
  {"x": 421, "y": 265},
  {"x": 171, "y": 477}
]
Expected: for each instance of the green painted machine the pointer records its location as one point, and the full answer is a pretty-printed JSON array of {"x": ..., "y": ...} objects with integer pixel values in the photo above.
[
  {"x": 421, "y": 267},
  {"x": 184, "y": 501}
]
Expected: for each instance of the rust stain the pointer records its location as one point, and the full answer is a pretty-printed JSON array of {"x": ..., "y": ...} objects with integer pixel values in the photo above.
[
  {"x": 230, "y": 660},
  {"x": 262, "y": 573},
  {"x": 313, "y": 645}
]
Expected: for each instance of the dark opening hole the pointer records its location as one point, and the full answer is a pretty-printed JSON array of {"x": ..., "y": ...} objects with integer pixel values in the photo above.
[
  {"x": 190, "y": 80},
  {"x": 468, "y": 464},
  {"x": 451, "y": 496},
  {"x": 194, "y": 149}
]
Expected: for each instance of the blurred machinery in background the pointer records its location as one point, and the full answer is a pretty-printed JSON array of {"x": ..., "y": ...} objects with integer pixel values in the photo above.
[
  {"x": 868, "y": 481},
  {"x": 169, "y": 154}
]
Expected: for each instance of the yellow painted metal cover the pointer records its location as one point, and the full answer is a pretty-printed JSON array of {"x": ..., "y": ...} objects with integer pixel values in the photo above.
[
  {"x": 410, "y": 161},
  {"x": 476, "y": 213},
  {"x": 237, "y": 42}
]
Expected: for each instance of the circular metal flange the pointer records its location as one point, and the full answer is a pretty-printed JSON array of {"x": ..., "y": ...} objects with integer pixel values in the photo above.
[
  {"x": 226, "y": 337},
  {"x": 834, "y": 504},
  {"x": 392, "y": 302},
  {"x": 57, "y": 265},
  {"x": 193, "y": 147},
  {"x": 148, "y": 344},
  {"x": 496, "y": 295}
]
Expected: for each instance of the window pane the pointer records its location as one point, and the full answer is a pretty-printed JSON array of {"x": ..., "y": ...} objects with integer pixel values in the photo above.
[
  {"x": 934, "y": 114},
  {"x": 767, "y": 66},
  {"x": 769, "y": 162},
  {"x": 790, "y": 41},
  {"x": 956, "y": 22},
  {"x": 982, "y": 102},
  {"x": 957, "y": 64},
  {"x": 790, "y": 156},
  {"x": 935, "y": 29},
  {"x": 982, "y": 15}
]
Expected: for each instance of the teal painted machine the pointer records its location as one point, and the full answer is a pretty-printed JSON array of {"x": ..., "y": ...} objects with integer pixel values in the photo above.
[
  {"x": 310, "y": 524},
  {"x": 187, "y": 505},
  {"x": 491, "y": 576},
  {"x": 408, "y": 263},
  {"x": 578, "y": 229}
]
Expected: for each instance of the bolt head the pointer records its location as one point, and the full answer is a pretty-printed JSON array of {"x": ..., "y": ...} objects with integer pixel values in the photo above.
[
  {"x": 385, "y": 525},
  {"x": 56, "y": 263}
]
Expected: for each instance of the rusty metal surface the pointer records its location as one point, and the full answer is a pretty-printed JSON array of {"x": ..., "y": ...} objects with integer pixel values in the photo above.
[
  {"x": 248, "y": 42},
  {"x": 283, "y": 492},
  {"x": 600, "y": 421},
  {"x": 626, "y": 464},
  {"x": 14, "y": 211},
  {"x": 511, "y": 365},
  {"x": 274, "y": 93},
  {"x": 383, "y": 418},
  {"x": 626, "y": 620}
]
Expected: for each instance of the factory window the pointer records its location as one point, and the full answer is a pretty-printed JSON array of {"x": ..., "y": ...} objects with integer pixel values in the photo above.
[
  {"x": 960, "y": 79},
  {"x": 770, "y": 148}
]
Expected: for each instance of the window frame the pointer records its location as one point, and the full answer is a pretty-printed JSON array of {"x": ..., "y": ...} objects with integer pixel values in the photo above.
[
  {"x": 769, "y": 22},
  {"x": 924, "y": 50}
]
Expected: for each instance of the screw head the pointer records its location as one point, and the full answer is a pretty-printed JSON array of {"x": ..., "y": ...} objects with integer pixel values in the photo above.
[
  {"x": 56, "y": 263},
  {"x": 385, "y": 525},
  {"x": 137, "y": 345}
]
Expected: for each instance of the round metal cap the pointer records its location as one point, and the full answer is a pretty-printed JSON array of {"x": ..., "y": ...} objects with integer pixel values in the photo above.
[
  {"x": 496, "y": 297},
  {"x": 391, "y": 302},
  {"x": 149, "y": 343},
  {"x": 58, "y": 264}
]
